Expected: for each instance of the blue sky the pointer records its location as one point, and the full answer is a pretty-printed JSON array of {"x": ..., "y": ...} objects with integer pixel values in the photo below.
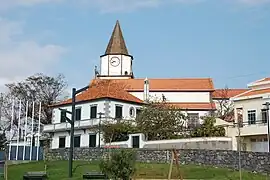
[{"x": 227, "y": 40}]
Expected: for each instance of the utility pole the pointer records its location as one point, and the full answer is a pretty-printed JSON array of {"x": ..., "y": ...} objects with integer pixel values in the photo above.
[
  {"x": 267, "y": 104},
  {"x": 71, "y": 122},
  {"x": 1, "y": 105}
]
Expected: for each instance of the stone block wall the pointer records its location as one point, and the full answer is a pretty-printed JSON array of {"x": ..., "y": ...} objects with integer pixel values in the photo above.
[{"x": 251, "y": 161}]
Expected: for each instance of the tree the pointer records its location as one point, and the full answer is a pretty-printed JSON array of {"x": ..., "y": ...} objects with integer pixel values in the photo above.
[
  {"x": 3, "y": 141},
  {"x": 159, "y": 120},
  {"x": 38, "y": 88},
  {"x": 208, "y": 129},
  {"x": 119, "y": 131},
  {"x": 225, "y": 108}
]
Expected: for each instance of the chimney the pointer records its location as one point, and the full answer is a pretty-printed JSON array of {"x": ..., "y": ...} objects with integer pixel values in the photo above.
[{"x": 146, "y": 90}]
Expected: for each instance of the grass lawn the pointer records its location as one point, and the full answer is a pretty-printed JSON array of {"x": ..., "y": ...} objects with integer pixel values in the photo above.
[{"x": 58, "y": 170}]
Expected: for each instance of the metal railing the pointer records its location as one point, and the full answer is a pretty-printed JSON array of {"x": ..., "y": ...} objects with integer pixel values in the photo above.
[{"x": 250, "y": 123}]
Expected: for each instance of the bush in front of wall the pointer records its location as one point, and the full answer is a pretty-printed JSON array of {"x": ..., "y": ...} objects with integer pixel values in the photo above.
[{"x": 121, "y": 164}]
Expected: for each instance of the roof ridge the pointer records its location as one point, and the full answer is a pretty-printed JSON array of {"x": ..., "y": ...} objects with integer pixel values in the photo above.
[{"x": 188, "y": 78}]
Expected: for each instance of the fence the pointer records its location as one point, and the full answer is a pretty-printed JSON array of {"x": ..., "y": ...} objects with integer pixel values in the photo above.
[
  {"x": 27, "y": 153},
  {"x": 22, "y": 121}
]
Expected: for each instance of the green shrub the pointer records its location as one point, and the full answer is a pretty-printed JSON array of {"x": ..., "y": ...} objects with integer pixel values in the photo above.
[
  {"x": 208, "y": 129},
  {"x": 121, "y": 165}
]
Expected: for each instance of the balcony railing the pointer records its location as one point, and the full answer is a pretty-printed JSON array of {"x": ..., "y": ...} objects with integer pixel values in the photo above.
[
  {"x": 81, "y": 124},
  {"x": 258, "y": 127},
  {"x": 251, "y": 123}
]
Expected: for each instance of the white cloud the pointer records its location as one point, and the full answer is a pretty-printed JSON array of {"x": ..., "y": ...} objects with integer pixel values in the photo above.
[
  {"x": 6, "y": 4},
  {"x": 21, "y": 58}
]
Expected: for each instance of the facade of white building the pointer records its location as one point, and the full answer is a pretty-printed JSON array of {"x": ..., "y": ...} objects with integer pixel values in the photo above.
[
  {"x": 116, "y": 93},
  {"x": 251, "y": 112}
]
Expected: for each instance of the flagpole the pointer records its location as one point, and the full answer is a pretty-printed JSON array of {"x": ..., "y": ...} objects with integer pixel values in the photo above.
[
  {"x": 32, "y": 129},
  {"x": 18, "y": 129},
  {"x": 25, "y": 129},
  {"x": 38, "y": 144},
  {"x": 11, "y": 130}
]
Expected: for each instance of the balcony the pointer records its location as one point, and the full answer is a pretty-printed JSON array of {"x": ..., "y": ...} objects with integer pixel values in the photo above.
[
  {"x": 257, "y": 128},
  {"x": 82, "y": 124}
]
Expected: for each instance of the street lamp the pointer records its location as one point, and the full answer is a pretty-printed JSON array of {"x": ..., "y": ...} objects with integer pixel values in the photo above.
[
  {"x": 71, "y": 122},
  {"x": 267, "y": 104},
  {"x": 99, "y": 128}
]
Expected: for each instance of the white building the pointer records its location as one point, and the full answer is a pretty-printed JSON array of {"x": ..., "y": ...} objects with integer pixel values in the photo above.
[
  {"x": 116, "y": 93},
  {"x": 251, "y": 112}
]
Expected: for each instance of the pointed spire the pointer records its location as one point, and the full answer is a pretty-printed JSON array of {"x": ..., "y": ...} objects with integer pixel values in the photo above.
[{"x": 117, "y": 43}]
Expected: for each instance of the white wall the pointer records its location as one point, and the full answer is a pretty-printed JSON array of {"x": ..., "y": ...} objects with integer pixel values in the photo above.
[
  {"x": 107, "y": 69},
  {"x": 200, "y": 97},
  {"x": 251, "y": 104},
  {"x": 85, "y": 110},
  {"x": 101, "y": 104},
  {"x": 84, "y": 138},
  {"x": 188, "y": 143},
  {"x": 179, "y": 143},
  {"x": 126, "y": 108}
]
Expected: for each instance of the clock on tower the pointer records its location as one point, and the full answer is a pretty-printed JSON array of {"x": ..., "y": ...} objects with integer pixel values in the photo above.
[{"x": 115, "y": 61}]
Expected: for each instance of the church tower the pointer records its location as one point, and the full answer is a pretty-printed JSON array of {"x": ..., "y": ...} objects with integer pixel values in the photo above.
[{"x": 116, "y": 63}]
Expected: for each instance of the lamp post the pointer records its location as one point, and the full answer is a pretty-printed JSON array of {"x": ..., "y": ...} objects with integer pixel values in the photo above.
[
  {"x": 71, "y": 122},
  {"x": 99, "y": 128},
  {"x": 267, "y": 104}
]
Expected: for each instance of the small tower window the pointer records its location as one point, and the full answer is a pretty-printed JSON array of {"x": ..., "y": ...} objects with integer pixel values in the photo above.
[{"x": 126, "y": 73}]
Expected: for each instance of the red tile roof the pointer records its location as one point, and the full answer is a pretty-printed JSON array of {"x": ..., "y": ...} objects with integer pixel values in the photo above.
[
  {"x": 227, "y": 93},
  {"x": 118, "y": 88},
  {"x": 184, "y": 84},
  {"x": 104, "y": 89},
  {"x": 263, "y": 80},
  {"x": 194, "y": 106},
  {"x": 255, "y": 92}
]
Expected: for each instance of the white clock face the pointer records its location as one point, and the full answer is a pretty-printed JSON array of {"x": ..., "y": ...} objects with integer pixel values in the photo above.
[{"x": 115, "y": 61}]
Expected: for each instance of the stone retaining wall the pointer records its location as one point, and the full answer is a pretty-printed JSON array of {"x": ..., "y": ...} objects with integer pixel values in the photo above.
[{"x": 252, "y": 161}]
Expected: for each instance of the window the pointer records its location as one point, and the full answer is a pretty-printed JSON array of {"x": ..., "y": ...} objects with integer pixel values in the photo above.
[
  {"x": 131, "y": 112},
  {"x": 62, "y": 142},
  {"x": 92, "y": 140},
  {"x": 77, "y": 141},
  {"x": 251, "y": 116},
  {"x": 118, "y": 112},
  {"x": 63, "y": 116},
  {"x": 193, "y": 120},
  {"x": 93, "y": 112},
  {"x": 78, "y": 114},
  {"x": 264, "y": 116}
]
